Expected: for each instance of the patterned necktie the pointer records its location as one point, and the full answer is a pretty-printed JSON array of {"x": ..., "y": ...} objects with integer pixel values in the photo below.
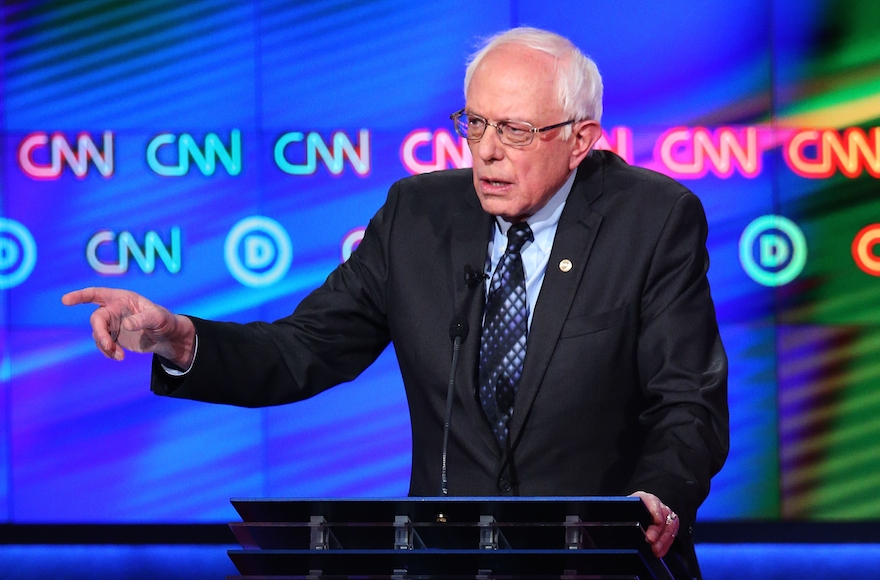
[{"x": 505, "y": 330}]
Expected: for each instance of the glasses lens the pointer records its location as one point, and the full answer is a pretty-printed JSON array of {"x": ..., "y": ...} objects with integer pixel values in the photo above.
[
  {"x": 516, "y": 133},
  {"x": 472, "y": 127},
  {"x": 460, "y": 120}
]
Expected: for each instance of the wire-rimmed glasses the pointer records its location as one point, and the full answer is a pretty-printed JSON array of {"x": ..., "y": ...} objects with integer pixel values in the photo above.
[{"x": 516, "y": 133}]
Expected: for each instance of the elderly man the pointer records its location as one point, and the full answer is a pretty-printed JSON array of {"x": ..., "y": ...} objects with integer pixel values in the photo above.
[{"x": 595, "y": 365}]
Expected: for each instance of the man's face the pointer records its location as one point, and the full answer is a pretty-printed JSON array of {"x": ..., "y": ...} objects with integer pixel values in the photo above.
[{"x": 514, "y": 83}]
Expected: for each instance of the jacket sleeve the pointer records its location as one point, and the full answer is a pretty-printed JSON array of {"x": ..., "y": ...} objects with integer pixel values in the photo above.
[
  {"x": 682, "y": 368},
  {"x": 335, "y": 333}
]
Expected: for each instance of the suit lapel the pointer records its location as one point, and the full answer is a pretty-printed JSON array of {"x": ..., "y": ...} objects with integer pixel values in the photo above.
[
  {"x": 471, "y": 230},
  {"x": 574, "y": 239}
]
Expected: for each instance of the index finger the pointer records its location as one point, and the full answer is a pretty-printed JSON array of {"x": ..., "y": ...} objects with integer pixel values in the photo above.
[{"x": 85, "y": 296}]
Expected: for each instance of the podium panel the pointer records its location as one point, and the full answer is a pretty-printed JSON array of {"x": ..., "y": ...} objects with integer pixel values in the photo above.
[{"x": 426, "y": 538}]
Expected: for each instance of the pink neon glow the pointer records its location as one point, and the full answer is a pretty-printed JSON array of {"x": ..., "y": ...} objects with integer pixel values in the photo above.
[
  {"x": 690, "y": 153},
  {"x": 446, "y": 151}
]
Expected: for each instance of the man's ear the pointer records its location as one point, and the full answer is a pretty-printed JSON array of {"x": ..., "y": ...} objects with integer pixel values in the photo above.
[{"x": 585, "y": 135}]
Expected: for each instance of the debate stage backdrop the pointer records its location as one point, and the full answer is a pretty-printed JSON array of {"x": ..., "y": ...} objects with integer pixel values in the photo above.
[{"x": 223, "y": 156}]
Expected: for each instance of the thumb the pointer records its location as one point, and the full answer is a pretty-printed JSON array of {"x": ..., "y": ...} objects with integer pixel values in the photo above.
[{"x": 147, "y": 320}]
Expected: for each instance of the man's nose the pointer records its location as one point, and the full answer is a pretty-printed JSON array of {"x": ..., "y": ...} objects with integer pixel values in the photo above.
[{"x": 489, "y": 147}]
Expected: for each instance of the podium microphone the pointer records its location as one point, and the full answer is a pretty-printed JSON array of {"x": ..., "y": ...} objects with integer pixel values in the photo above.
[{"x": 458, "y": 331}]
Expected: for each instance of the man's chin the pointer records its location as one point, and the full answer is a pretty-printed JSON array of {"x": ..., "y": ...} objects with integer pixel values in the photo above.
[
  {"x": 495, "y": 206},
  {"x": 501, "y": 208}
]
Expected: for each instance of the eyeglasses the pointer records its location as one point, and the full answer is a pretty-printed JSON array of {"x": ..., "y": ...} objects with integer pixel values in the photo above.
[{"x": 516, "y": 133}]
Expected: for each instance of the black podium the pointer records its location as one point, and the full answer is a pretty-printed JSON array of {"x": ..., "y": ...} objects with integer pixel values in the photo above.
[{"x": 425, "y": 538}]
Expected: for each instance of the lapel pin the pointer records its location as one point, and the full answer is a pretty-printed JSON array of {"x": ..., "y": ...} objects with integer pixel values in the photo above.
[{"x": 565, "y": 265}]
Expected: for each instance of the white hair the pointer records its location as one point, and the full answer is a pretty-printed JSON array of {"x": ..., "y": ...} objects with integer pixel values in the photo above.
[{"x": 578, "y": 82}]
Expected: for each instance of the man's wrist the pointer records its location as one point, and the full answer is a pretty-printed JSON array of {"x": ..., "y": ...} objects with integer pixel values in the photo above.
[
  {"x": 178, "y": 345},
  {"x": 176, "y": 370}
]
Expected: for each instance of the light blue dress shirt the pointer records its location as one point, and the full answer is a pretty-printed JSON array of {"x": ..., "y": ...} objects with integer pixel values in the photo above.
[{"x": 535, "y": 254}]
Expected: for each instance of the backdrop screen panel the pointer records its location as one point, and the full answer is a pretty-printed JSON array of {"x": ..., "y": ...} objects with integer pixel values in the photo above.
[{"x": 222, "y": 157}]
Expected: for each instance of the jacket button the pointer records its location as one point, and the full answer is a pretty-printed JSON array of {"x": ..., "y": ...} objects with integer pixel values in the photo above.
[{"x": 504, "y": 485}]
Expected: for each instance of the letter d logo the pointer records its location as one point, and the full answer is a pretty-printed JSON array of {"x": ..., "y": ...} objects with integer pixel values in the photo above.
[
  {"x": 779, "y": 246},
  {"x": 258, "y": 251}
]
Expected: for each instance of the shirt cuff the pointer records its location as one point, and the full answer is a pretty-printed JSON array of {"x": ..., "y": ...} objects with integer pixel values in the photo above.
[{"x": 176, "y": 371}]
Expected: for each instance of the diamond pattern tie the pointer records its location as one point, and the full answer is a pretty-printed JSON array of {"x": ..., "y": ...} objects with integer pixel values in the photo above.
[{"x": 505, "y": 330}]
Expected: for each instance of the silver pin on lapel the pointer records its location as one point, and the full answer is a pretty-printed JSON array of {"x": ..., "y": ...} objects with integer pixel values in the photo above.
[{"x": 565, "y": 265}]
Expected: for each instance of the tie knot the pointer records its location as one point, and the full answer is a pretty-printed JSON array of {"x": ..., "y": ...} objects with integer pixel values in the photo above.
[{"x": 517, "y": 236}]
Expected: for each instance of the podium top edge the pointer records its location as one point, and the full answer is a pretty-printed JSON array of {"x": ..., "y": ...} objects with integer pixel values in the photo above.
[
  {"x": 433, "y": 499},
  {"x": 446, "y": 509}
]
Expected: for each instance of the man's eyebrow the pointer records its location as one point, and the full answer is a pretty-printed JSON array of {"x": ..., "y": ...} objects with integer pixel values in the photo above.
[{"x": 508, "y": 120}]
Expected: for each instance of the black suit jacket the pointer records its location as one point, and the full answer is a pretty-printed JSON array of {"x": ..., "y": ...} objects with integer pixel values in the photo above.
[{"x": 624, "y": 381}]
